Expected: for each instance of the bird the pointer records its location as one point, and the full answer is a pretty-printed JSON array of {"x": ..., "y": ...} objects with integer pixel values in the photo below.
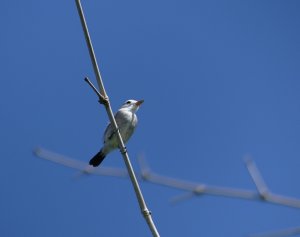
[{"x": 126, "y": 120}]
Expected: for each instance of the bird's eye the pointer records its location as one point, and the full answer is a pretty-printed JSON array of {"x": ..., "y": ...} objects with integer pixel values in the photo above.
[{"x": 128, "y": 102}]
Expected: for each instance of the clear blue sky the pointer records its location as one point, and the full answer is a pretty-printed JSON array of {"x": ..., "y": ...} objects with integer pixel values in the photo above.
[{"x": 220, "y": 79}]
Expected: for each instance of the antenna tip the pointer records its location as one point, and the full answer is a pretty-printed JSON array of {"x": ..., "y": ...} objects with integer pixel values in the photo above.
[{"x": 36, "y": 151}]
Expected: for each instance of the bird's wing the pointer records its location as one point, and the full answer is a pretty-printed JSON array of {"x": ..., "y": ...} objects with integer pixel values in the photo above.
[{"x": 109, "y": 131}]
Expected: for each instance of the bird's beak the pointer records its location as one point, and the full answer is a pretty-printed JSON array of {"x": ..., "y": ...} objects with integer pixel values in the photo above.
[{"x": 138, "y": 103}]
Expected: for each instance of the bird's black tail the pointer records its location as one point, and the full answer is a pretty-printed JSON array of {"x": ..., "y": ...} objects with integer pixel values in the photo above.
[{"x": 97, "y": 159}]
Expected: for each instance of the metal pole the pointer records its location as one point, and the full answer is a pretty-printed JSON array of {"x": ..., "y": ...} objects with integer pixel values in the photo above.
[{"x": 146, "y": 213}]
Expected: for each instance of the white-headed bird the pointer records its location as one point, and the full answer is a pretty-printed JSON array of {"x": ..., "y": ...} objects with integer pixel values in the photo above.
[{"x": 127, "y": 121}]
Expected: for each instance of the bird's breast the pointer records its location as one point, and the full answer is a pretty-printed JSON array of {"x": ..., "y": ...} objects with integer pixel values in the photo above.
[{"x": 127, "y": 125}]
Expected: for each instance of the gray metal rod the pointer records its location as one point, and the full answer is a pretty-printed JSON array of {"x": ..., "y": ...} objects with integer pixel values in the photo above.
[
  {"x": 146, "y": 213},
  {"x": 90, "y": 48}
]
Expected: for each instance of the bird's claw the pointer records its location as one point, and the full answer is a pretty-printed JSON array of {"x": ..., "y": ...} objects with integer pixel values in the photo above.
[
  {"x": 103, "y": 100},
  {"x": 123, "y": 150}
]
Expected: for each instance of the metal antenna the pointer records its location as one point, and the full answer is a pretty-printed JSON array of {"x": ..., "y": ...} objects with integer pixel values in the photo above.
[
  {"x": 81, "y": 166},
  {"x": 196, "y": 189},
  {"x": 280, "y": 233},
  {"x": 257, "y": 178}
]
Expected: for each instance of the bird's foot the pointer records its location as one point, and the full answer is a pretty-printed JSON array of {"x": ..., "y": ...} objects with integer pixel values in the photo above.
[
  {"x": 103, "y": 100},
  {"x": 123, "y": 150}
]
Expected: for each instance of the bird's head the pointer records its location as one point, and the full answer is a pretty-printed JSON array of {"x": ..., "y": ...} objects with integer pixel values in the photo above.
[{"x": 132, "y": 105}]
